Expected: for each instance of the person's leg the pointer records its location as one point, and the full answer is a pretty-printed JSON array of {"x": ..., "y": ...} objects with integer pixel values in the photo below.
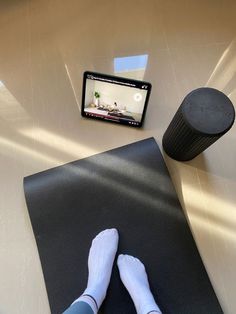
[
  {"x": 100, "y": 262},
  {"x": 134, "y": 278},
  {"x": 80, "y": 307}
]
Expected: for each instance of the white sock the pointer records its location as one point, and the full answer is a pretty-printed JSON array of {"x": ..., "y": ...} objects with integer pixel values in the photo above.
[
  {"x": 134, "y": 277},
  {"x": 101, "y": 257}
]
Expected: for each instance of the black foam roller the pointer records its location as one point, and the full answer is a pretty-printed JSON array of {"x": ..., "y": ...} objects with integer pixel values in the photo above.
[{"x": 203, "y": 117}]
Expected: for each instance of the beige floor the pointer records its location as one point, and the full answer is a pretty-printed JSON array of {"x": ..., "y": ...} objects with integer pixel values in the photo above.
[{"x": 45, "y": 46}]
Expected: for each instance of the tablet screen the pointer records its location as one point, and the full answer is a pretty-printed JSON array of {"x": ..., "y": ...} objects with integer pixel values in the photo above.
[{"x": 114, "y": 99}]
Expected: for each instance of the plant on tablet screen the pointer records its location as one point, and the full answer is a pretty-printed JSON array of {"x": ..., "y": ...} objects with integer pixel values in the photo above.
[{"x": 97, "y": 95}]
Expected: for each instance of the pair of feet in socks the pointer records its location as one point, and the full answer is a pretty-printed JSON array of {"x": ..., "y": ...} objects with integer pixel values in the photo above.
[{"x": 132, "y": 273}]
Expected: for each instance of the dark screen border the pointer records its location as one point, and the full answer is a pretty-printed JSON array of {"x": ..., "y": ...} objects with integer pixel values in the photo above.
[{"x": 119, "y": 81}]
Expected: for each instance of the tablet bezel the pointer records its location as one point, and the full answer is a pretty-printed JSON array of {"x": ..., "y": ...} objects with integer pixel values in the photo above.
[{"x": 118, "y": 79}]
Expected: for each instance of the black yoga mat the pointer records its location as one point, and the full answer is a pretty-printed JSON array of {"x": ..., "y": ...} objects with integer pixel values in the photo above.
[{"x": 128, "y": 188}]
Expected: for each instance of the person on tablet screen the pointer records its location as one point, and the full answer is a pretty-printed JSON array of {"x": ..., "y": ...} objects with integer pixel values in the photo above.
[{"x": 132, "y": 273}]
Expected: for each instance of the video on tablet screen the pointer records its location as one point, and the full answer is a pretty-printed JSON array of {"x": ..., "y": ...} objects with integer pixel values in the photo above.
[{"x": 112, "y": 99}]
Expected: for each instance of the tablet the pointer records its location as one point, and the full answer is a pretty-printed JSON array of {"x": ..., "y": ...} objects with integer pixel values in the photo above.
[{"x": 114, "y": 99}]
